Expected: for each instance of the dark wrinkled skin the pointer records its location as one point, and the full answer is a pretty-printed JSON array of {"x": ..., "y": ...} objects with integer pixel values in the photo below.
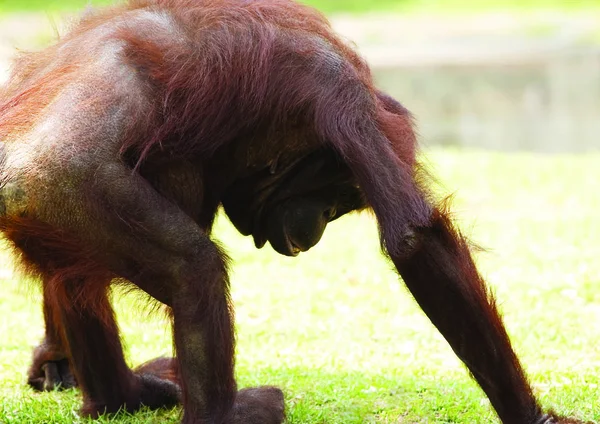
[{"x": 292, "y": 208}]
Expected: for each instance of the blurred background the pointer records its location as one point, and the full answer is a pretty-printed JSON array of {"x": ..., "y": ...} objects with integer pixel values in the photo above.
[
  {"x": 506, "y": 95},
  {"x": 496, "y": 74}
]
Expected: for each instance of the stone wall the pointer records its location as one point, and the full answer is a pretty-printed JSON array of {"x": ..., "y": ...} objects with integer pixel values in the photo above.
[{"x": 547, "y": 103}]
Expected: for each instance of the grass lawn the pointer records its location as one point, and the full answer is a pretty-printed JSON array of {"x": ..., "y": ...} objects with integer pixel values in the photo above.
[
  {"x": 346, "y": 5},
  {"x": 337, "y": 331}
]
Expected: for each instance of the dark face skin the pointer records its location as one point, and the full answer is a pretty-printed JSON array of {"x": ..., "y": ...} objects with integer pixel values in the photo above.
[{"x": 291, "y": 207}]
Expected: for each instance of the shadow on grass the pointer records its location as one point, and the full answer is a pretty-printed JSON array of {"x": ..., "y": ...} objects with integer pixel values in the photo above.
[{"x": 312, "y": 397}]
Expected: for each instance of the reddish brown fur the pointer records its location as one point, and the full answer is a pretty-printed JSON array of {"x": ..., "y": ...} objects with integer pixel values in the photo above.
[
  {"x": 121, "y": 141},
  {"x": 34, "y": 241}
]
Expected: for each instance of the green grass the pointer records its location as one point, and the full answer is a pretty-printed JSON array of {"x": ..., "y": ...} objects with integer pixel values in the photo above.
[
  {"x": 337, "y": 331},
  {"x": 359, "y": 6}
]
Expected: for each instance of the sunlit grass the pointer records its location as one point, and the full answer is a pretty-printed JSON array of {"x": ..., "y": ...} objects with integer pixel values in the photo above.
[{"x": 337, "y": 331}]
